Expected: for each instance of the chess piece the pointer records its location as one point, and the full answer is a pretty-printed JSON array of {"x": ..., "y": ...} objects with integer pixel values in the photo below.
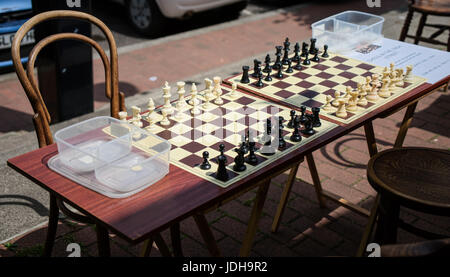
[
  {"x": 298, "y": 66},
  {"x": 267, "y": 148},
  {"x": 348, "y": 93},
  {"x": 312, "y": 48},
  {"x": 217, "y": 90},
  {"x": 222, "y": 173},
  {"x": 391, "y": 67},
  {"x": 123, "y": 116},
  {"x": 234, "y": 94},
  {"x": 296, "y": 137},
  {"x": 362, "y": 101},
  {"x": 400, "y": 77},
  {"x": 291, "y": 122},
  {"x": 239, "y": 161},
  {"x": 259, "y": 83},
  {"x": 208, "y": 96},
  {"x": 181, "y": 103},
  {"x": 341, "y": 112},
  {"x": 327, "y": 106},
  {"x": 281, "y": 141},
  {"x": 303, "y": 115},
  {"x": 195, "y": 110},
  {"x": 306, "y": 61},
  {"x": 308, "y": 130},
  {"x": 286, "y": 51},
  {"x": 267, "y": 64},
  {"x": 296, "y": 56},
  {"x": 367, "y": 86},
  {"x": 316, "y": 119},
  {"x": 136, "y": 120},
  {"x": 278, "y": 54},
  {"x": 325, "y": 51},
  {"x": 289, "y": 69},
  {"x": 166, "y": 95},
  {"x": 151, "y": 121},
  {"x": 375, "y": 80},
  {"x": 408, "y": 75},
  {"x": 245, "y": 78},
  {"x": 337, "y": 97},
  {"x": 304, "y": 49},
  {"x": 194, "y": 93},
  {"x": 384, "y": 91},
  {"x": 279, "y": 74},
  {"x": 205, "y": 164},
  {"x": 352, "y": 102},
  {"x": 208, "y": 84},
  {"x": 165, "y": 120},
  {"x": 252, "y": 158},
  {"x": 150, "y": 105},
  {"x": 316, "y": 56},
  {"x": 256, "y": 67},
  {"x": 372, "y": 95},
  {"x": 268, "y": 78},
  {"x": 391, "y": 86}
]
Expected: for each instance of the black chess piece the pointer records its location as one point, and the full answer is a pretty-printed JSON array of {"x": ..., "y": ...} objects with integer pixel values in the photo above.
[
  {"x": 239, "y": 161},
  {"x": 279, "y": 74},
  {"x": 267, "y": 64},
  {"x": 245, "y": 78},
  {"x": 316, "y": 56},
  {"x": 312, "y": 48},
  {"x": 222, "y": 173},
  {"x": 251, "y": 158},
  {"x": 308, "y": 130},
  {"x": 303, "y": 118},
  {"x": 256, "y": 68},
  {"x": 205, "y": 165},
  {"x": 286, "y": 52},
  {"x": 316, "y": 119},
  {"x": 298, "y": 66},
  {"x": 259, "y": 83},
  {"x": 304, "y": 49},
  {"x": 244, "y": 143},
  {"x": 267, "y": 149},
  {"x": 296, "y": 53},
  {"x": 325, "y": 51},
  {"x": 289, "y": 69},
  {"x": 278, "y": 57},
  {"x": 296, "y": 137},
  {"x": 268, "y": 78},
  {"x": 306, "y": 61},
  {"x": 281, "y": 141},
  {"x": 291, "y": 122}
]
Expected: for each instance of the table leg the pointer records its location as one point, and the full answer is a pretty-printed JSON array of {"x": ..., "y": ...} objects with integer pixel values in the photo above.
[
  {"x": 176, "y": 240},
  {"x": 147, "y": 247},
  {"x": 407, "y": 119},
  {"x": 162, "y": 246},
  {"x": 207, "y": 235},
  {"x": 316, "y": 180},
  {"x": 52, "y": 226},
  {"x": 369, "y": 227},
  {"x": 284, "y": 198},
  {"x": 103, "y": 241},
  {"x": 370, "y": 138},
  {"x": 254, "y": 218}
]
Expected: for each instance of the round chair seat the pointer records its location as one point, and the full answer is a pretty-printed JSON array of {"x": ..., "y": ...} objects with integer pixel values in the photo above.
[
  {"x": 436, "y": 7},
  {"x": 418, "y": 178}
]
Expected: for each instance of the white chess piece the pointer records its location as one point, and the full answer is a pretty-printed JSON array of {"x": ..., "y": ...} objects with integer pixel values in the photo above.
[
  {"x": 151, "y": 121},
  {"x": 166, "y": 95},
  {"x": 208, "y": 84},
  {"x": 194, "y": 93},
  {"x": 136, "y": 120},
  {"x": 400, "y": 82},
  {"x": 150, "y": 107},
  {"x": 337, "y": 97},
  {"x": 352, "y": 102},
  {"x": 208, "y": 96},
  {"x": 179, "y": 115},
  {"x": 123, "y": 116},
  {"x": 372, "y": 95},
  {"x": 327, "y": 106},
  {"x": 384, "y": 91},
  {"x": 181, "y": 103},
  {"x": 165, "y": 121},
  {"x": 408, "y": 75},
  {"x": 362, "y": 101},
  {"x": 341, "y": 112},
  {"x": 392, "y": 82},
  {"x": 217, "y": 90},
  {"x": 392, "y": 67},
  {"x": 234, "y": 94},
  {"x": 195, "y": 110},
  {"x": 367, "y": 86}
]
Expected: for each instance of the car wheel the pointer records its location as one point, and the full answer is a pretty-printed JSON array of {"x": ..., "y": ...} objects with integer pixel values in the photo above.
[{"x": 145, "y": 17}]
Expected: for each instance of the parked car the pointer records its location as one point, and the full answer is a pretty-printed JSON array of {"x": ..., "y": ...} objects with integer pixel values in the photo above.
[
  {"x": 13, "y": 13},
  {"x": 148, "y": 16}
]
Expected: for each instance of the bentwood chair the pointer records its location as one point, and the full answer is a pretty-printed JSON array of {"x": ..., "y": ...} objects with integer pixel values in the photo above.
[
  {"x": 413, "y": 177},
  {"x": 41, "y": 118},
  {"x": 427, "y": 7}
]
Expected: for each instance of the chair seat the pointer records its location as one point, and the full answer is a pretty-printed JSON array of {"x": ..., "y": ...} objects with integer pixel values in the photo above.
[
  {"x": 436, "y": 7},
  {"x": 417, "y": 177}
]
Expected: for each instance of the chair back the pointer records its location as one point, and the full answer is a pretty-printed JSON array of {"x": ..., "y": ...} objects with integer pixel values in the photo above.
[{"x": 41, "y": 118}]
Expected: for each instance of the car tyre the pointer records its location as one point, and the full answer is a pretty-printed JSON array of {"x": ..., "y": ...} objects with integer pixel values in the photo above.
[{"x": 145, "y": 17}]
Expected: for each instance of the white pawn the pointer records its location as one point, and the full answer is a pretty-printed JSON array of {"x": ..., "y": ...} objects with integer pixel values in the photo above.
[
  {"x": 217, "y": 90},
  {"x": 165, "y": 121},
  {"x": 327, "y": 107},
  {"x": 151, "y": 121},
  {"x": 179, "y": 115},
  {"x": 337, "y": 97},
  {"x": 208, "y": 96},
  {"x": 195, "y": 110},
  {"x": 372, "y": 95},
  {"x": 408, "y": 75},
  {"x": 341, "y": 112},
  {"x": 181, "y": 103},
  {"x": 194, "y": 95},
  {"x": 123, "y": 116},
  {"x": 234, "y": 94}
]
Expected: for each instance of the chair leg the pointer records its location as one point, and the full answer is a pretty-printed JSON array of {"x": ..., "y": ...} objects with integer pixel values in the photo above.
[
  {"x": 52, "y": 226},
  {"x": 422, "y": 21},
  {"x": 369, "y": 228},
  {"x": 386, "y": 231},
  {"x": 103, "y": 241},
  {"x": 176, "y": 240},
  {"x": 406, "y": 25}
]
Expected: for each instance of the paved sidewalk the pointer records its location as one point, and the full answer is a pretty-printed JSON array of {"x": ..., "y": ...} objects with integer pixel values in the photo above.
[{"x": 306, "y": 229}]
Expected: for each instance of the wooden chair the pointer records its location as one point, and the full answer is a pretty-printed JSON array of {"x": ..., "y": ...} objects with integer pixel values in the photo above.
[
  {"x": 440, "y": 247},
  {"x": 427, "y": 7},
  {"x": 41, "y": 118},
  {"x": 412, "y": 177}
]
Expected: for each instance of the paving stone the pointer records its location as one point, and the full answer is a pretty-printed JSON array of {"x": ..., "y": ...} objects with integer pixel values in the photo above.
[
  {"x": 346, "y": 248},
  {"x": 229, "y": 247},
  {"x": 277, "y": 249},
  {"x": 190, "y": 228},
  {"x": 310, "y": 248},
  {"x": 347, "y": 229},
  {"x": 231, "y": 227}
]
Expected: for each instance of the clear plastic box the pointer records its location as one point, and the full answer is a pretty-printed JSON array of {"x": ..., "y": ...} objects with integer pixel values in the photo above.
[
  {"x": 121, "y": 157},
  {"x": 344, "y": 31}
]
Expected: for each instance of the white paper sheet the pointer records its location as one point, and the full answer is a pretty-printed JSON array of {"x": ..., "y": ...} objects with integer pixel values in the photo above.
[{"x": 428, "y": 62}]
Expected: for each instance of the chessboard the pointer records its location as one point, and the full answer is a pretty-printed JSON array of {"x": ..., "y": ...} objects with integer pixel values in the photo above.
[
  {"x": 228, "y": 123},
  {"x": 310, "y": 85}
]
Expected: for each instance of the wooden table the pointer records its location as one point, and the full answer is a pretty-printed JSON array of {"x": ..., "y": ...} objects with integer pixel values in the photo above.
[{"x": 181, "y": 194}]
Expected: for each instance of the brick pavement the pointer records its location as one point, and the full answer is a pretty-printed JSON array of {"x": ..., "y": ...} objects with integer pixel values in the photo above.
[{"x": 306, "y": 229}]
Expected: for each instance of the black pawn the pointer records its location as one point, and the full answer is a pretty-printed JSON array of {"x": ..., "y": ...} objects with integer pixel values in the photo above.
[
  {"x": 281, "y": 141},
  {"x": 259, "y": 83},
  {"x": 251, "y": 158},
  {"x": 298, "y": 66},
  {"x": 316, "y": 56},
  {"x": 289, "y": 69},
  {"x": 245, "y": 78},
  {"x": 303, "y": 117},
  {"x": 256, "y": 68},
  {"x": 316, "y": 119},
  {"x": 304, "y": 49},
  {"x": 325, "y": 51},
  {"x": 306, "y": 61},
  {"x": 239, "y": 161},
  {"x": 291, "y": 122},
  {"x": 279, "y": 74},
  {"x": 221, "y": 148},
  {"x": 267, "y": 61},
  {"x": 296, "y": 53},
  {"x": 312, "y": 48},
  {"x": 244, "y": 144},
  {"x": 296, "y": 137},
  {"x": 205, "y": 165},
  {"x": 268, "y": 77},
  {"x": 308, "y": 130}
]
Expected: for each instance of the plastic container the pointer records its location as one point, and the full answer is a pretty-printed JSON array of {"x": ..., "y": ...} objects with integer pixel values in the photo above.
[
  {"x": 122, "y": 158},
  {"x": 345, "y": 31}
]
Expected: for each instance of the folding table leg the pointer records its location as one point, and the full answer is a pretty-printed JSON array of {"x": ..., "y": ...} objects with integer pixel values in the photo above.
[
  {"x": 369, "y": 227},
  {"x": 316, "y": 180},
  {"x": 207, "y": 235},
  {"x": 370, "y": 138},
  {"x": 103, "y": 241},
  {"x": 147, "y": 247},
  {"x": 284, "y": 198},
  {"x": 176, "y": 240},
  {"x": 407, "y": 119},
  {"x": 162, "y": 246},
  {"x": 52, "y": 226},
  {"x": 254, "y": 218}
]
